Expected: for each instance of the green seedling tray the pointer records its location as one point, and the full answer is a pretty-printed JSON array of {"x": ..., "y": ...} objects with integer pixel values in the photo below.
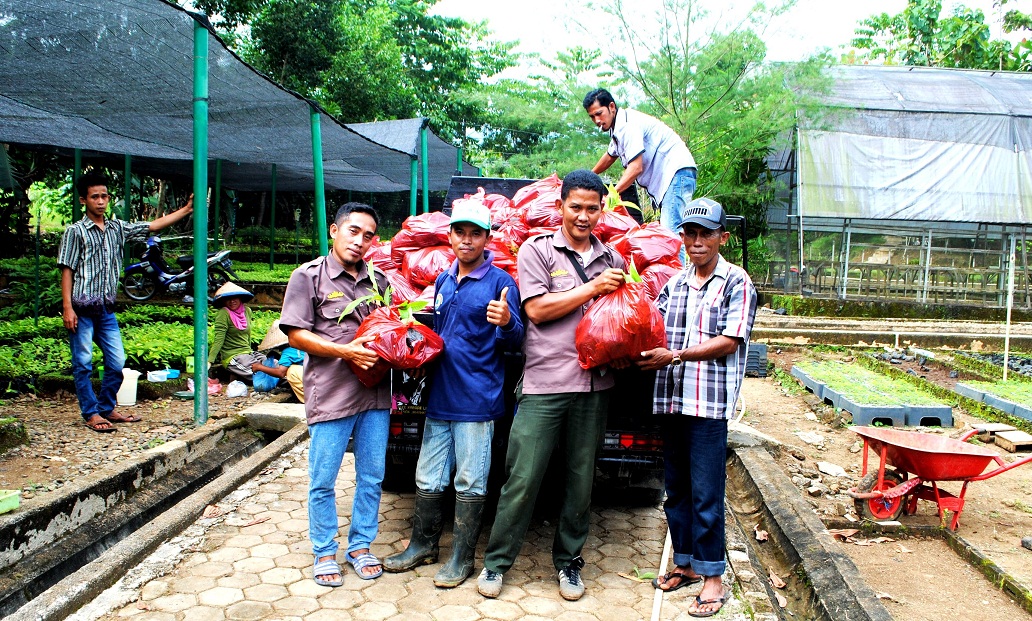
[{"x": 10, "y": 499}]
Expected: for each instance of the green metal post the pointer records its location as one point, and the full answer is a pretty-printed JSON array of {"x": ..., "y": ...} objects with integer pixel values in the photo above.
[
  {"x": 458, "y": 158},
  {"x": 127, "y": 190},
  {"x": 272, "y": 222},
  {"x": 200, "y": 189},
  {"x": 413, "y": 186},
  {"x": 218, "y": 202},
  {"x": 76, "y": 173},
  {"x": 127, "y": 197},
  {"x": 426, "y": 168},
  {"x": 35, "y": 308},
  {"x": 320, "y": 190}
]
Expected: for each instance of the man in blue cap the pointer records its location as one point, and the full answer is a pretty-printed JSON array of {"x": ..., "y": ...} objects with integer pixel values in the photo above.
[
  {"x": 709, "y": 309},
  {"x": 477, "y": 313}
]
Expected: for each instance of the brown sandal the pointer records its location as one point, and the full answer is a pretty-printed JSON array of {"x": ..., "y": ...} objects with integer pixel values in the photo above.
[
  {"x": 115, "y": 417},
  {"x": 100, "y": 426}
]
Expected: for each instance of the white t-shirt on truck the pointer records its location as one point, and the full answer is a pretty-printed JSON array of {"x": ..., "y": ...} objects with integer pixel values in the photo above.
[{"x": 662, "y": 151}]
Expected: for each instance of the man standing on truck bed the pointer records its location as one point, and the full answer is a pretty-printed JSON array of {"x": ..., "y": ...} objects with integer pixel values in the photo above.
[
  {"x": 477, "y": 313},
  {"x": 560, "y": 274},
  {"x": 709, "y": 309},
  {"x": 651, "y": 153}
]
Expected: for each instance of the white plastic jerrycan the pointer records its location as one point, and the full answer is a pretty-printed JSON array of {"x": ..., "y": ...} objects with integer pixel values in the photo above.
[{"x": 127, "y": 391}]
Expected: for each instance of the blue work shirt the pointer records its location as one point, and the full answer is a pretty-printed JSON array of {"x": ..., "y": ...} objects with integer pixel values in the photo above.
[{"x": 467, "y": 383}]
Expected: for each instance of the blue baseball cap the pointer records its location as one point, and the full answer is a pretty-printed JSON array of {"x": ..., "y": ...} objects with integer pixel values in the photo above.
[{"x": 705, "y": 212}]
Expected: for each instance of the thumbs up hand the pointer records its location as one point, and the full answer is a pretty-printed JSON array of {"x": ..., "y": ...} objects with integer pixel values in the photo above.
[{"x": 498, "y": 310}]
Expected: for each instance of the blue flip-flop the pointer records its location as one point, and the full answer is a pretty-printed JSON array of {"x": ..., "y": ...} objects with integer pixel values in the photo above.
[
  {"x": 360, "y": 562},
  {"x": 327, "y": 568}
]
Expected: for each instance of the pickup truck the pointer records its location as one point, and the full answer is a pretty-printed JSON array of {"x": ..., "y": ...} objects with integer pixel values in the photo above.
[{"x": 631, "y": 455}]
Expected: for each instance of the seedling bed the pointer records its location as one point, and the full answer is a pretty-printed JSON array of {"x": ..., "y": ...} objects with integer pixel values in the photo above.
[{"x": 1010, "y": 397}]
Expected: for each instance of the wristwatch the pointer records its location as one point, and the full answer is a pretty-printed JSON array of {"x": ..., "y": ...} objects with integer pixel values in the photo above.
[{"x": 676, "y": 360}]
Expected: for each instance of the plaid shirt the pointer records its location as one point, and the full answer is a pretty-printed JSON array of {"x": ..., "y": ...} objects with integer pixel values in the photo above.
[
  {"x": 724, "y": 304},
  {"x": 95, "y": 257}
]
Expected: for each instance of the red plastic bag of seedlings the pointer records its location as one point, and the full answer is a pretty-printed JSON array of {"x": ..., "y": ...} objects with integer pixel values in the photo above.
[
  {"x": 648, "y": 245},
  {"x": 422, "y": 231},
  {"x": 380, "y": 256},
  {"x": 613, "y": 224},
  {"x": 619, "y": 326},
  {"x": 501, "y": 207},
  {"x": 401, "y": 343},
  {"x": 403, "y": 291},
  {"x": 422, "y": 266},
  {"x": 541, "y": 230},
  {"x": 536, "y": 202},
  {"x": 655, "y": 277},
  {"x": 513, "y": 230},
  {"x": 504, "y": 252}
]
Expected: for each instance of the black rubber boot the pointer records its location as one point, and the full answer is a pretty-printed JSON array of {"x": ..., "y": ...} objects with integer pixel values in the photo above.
[
  {"x": 468, "y": 512},
  {"x": 426, "y": 533}
]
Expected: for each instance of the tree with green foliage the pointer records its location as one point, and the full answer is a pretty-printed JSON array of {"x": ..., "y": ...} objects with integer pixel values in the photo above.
[
  {"x": 715, "y": 89},
  {"x": 921, "y": 35},
  {"x": 367, "y": 60},
  {"x": 534, "y": 127}
]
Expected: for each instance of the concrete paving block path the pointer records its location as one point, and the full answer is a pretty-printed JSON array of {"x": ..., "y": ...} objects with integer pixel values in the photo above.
[{"x": 254, "y": 562}]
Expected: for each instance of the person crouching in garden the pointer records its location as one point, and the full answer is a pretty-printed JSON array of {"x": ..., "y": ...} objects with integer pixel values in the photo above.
[
  {"x": 709, "y": 309},
  {"x": 232, "y": 332},
  {"x": 477, "y": 313}
]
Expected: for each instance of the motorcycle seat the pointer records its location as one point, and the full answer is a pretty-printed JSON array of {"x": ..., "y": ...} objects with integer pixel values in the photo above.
[{"x": 186, "y": 260}]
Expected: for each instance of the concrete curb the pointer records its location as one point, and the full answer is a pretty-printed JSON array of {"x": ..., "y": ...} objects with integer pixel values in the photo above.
[
  {"x": 88, "y": 582},
  {"x": 44, "y": 520},
  {"x": 836, "y": 589}
]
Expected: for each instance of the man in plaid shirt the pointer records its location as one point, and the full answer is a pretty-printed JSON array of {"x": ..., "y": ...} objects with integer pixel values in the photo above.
[{"x": 709, "y": 309}]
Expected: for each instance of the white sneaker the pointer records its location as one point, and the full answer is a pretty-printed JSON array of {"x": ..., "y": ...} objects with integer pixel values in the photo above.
[
  {"x": 489, "y": 584},
  {"x": 571, "y": 587}
]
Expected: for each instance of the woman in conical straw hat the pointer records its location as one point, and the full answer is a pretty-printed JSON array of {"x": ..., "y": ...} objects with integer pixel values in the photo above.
[{"x": 232, "y": 332}]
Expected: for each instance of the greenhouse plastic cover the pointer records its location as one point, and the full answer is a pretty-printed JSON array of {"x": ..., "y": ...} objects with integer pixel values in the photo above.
[
  {"x": 403, "y": 135},
  {"x": 910, "y": 143},
  {"x": 115, "y": 77}
]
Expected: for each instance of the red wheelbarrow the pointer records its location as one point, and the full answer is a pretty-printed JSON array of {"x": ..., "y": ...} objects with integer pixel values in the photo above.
[{"x": 885, "y": 494}]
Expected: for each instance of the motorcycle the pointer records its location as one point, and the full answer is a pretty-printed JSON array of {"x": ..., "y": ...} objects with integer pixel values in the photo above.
[{"x": 144, "y": 279}]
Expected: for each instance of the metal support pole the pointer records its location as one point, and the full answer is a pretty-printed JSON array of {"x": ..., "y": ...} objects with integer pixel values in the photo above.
[
  {"x": 272, "y": 222},
  {"x": 413, "y": 186},
  {"x": 200, "y": 190},
  {"x": 127, "y": 195},
  {"x": 802, "y": 266},
  {"x": 320, "y": 189},
  {"x": 927, "y": 266},
  {"x": 218, "y": 203},
  {"x": 426, "y": 168},
  {"x": 76, "y": 173},
  {"x": 458, "y": 160},
  {"x": 1010, "y": 305},
  {"x": 845, "y": 262}
]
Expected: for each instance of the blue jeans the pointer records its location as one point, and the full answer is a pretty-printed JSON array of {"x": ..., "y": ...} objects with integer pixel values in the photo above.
[
  {"x": 102, "y": 330},
  {"x": 679, "y": 194},
  {"x": 460, "y": 446},
  {"x": 325, "y": 455},
  {"x": 695, "y": 456}
]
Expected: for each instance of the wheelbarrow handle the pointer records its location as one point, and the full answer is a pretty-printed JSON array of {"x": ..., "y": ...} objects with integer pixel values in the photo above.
[
  {"x": 967, "y": 436},
  {"x": 1004, "y": 467}
]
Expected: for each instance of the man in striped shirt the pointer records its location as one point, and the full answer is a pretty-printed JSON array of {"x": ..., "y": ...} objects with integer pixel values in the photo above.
[
  {"x": 709, "y": 309},
  {"x": 90, "y": 258}
]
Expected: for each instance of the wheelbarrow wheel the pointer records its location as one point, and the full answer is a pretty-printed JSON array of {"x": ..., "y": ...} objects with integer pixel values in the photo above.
[{"x": 879, "y": 509}]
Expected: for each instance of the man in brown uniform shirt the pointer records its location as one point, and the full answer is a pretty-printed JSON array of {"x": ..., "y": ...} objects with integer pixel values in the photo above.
[
  {"x": 337, "y": 405},
  {"x": 560, "y": 274}
]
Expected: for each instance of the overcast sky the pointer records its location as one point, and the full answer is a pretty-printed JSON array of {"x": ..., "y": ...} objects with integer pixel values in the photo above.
[{"x": 548, "y": 26}]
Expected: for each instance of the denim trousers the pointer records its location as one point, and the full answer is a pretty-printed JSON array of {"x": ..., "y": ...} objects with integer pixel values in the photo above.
[
  {"x": 695, "y": 457},
  {"x": 679, "y": 194},
  {"x": 102, "y": 330},
  {"x": 329, "y": 441},
  {"x": 541, "y": 420},
  {"x": 462, "y": 447}
]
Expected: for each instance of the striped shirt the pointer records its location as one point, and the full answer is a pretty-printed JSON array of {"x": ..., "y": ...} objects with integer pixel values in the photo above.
[
  {"x": 724, "y": 305},
  {"x": 95, "y": 258}
]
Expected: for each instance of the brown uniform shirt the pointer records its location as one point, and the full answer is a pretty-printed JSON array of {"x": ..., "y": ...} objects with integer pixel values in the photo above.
[
  {"x": 546, "y": 266},
  {"x": 317, "y": 294}
]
